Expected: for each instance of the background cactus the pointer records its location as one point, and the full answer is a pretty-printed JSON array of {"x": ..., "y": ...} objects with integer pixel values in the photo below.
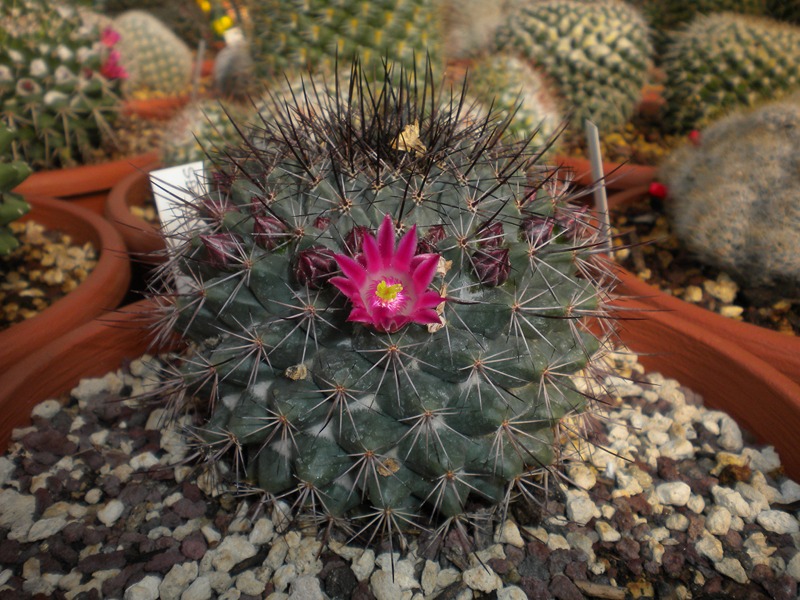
[
  {"x": 721, "y": 61},
  {"x": 303, "y": 34},
  {"x": 597, "y": 53},
  {"x": 386, "y": 315},
  {"x": 53, "y": 93},
  {"x": 157, "y": 61},
  {"x": 12, "y": 206},
  {"x": 734, "y": 198}
]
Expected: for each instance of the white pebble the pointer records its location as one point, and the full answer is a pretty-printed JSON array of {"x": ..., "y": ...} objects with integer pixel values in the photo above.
[
  {"x": 709, "y": 546},
  {"x": 511, "y": 592},
  {"x": 44, "y": 528},
  {"x": 582, "y": 475},
  {"x": 718, "y": 520},
  {"x": 732, "y": 500},
  {"x": 304, "y": 588},
  {"x": 262, "y": 533},
  {"x": 111, "y": 512},
  {"x": 177, "y": 580},
  {"x": 778, "y": 521},
  {"x": 47, "y": 409},
  {"x": 793, "y": 567},
  {"x": 145, "y": 460},
  {"x": 677, "y": 522},
  {"x": 247, "y": 583},
  {"x": 145, "y": 589},
  {"x": 677, "y": 449},
  {"x": 509, "y": 534},
  {"x": 580, "y": 508},
  {"x": 696, "y": 504},
  {"x": 731, "y": 567},
  {"x": 200, "y": 589},
  {"x": 606, "y": 532},
  {"x": 674, "y": 493},
  {"x": 232, "y": 550},
  {"x": 482, "y": 579},
  {"x": 790, "y": 491},
  {"x": 730, "y": 436}
]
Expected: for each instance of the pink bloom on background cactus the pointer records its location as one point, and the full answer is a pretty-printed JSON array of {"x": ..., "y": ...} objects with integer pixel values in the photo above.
[
  {"x": 109, "y": 37},
  {"x": 112, "y": 69},
  {"x": 388, "y": 286}
]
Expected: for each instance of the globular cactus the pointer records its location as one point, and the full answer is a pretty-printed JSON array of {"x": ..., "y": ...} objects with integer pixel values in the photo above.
[
  {"x": 158, "y": 62},
  {"x": 12, "y": 206},
  {"x": 597, "y": 52},
  {"x": 514, "y": 88},
  {"x": 784, "y": 10},
  {"x": 734, "y": 198},
  {"x": 313, "y": 34},
  {"x": 724, "y": 61},
  {"x": 469, "y": 27},
  {"x": 58, "y": 84},
  {"x": 185, "y": 18},
  {"x": 203, "y": 128},
  {"x": 385, "y": 309}
]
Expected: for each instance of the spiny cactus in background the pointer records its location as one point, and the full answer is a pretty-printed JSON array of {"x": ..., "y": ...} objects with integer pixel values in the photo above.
[
  {"x": 734, "y": 198},
  {"x": 12, "y": 206},
  {"x": 184, "y": 18},
  {"x": 201, "y": 130},
  {"x": 784, "y": 10},
  {"x": 158, "y": 62},
  {"x": 722, "y": 61},
  {"x": 310, "y": 34},
  {"x": 515, "y": 88},
  {"x": 597, "y": 52},
  {"x": 53, "y": 91},
  {"x": 234, "y": 71},
  {"x": 469, "y": 27},
  {"x": 386, "y": 312}
]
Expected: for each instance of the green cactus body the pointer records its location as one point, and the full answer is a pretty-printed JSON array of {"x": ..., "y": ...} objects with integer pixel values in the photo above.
[
  {"x": 667, "y": 15},
  {"x": 183, "y": 17},
  {"x": 302, "y": 34},
  {"x": 202, "y": 128},
  {"x": 597, "y": 53},
  {"x": 513, "y": 86},
  {"x": 52, "y": 92},
  {"x": 459, "y": 400},
  {"x": 722, "y": 61},
  {"x": 158, "y": 62},
  {"x": 734, "y": 198},
  {"x": 12, "y": 206}
]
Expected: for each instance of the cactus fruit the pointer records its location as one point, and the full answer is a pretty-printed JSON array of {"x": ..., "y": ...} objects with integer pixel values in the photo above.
[
  {"x": 722, "y": 61},
  {"x": 158, "y": 62},
  {"x": 598, "y": 54},
  {"x": 53, "y": 91},
  {"x": 513, "y": 87},
  {"x": 385, "y": 312},
  {"x": 203, "y": 128},
  {"x": 312, "y": 34},
  {"x": 734, "y": 197},
  {"x": 12, "y": 206}
]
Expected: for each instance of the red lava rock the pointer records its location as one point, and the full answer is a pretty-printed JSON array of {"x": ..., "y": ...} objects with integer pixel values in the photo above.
[
  {"x": 170, "y": 519},
  {"x": 72, "y": 532},
  {"x": 538, "y": 549},
  {"x": 340, "y": 582},
  {"x": 114, "y": 587},
  {"x": 731, "y": 541},
  {"x": 627, "y": 548},
  {"x": 194, "y": 546},
  {"x": 102, "y": 561},
  {"x": 191, "y": 492},
  {"x": 62, "y": 552},
  {"x": 713, "y": 585},
  {"x": 362, "y": 592},
  {"x": 782, "y": 587},
  {"x": 534, "y": 567},
  {"x": 49, "y": 440},
  {"x": 534, "y": 589},
  {"x": 44, "y": 498},
  {"x": 640, "y": 505},
  {"x": 576, "y": 569},
  {"x": 559, "y": 559},
  {"x": 164, "y": 561},
  {"x": 10, "y": 552},
  {"x": 667, "y": 468},
  {"x": 187, "y": 509},
  {"x": 94, "y": 535},
  {"x": 562, "y": 588},
  {"x": 133, "y": 494},
  {"x": 697, "y": 525},
  {"x": 513, "y": 554}
]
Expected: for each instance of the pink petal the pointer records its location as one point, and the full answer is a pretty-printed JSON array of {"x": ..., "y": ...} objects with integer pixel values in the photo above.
[
  {"x": 405, "y": 250},
  {"x": 429, "y": 299},
  {"x": 347, "y": 287},
  {"x": 424, "y": 272},
  {"x": 351, "y": 269},
  {"x": 426, "y": 317},
  {"x": 372, "y": 255},
  {"x": 359, "y": 315},
  {"x": 386, "y": 240}
]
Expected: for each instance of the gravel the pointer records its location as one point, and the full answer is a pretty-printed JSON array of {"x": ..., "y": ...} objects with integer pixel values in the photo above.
[{"x": 661, "y": 498}]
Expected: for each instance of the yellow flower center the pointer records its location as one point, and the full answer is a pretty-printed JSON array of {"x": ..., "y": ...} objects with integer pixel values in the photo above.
[{"x": 388, "y": 293}]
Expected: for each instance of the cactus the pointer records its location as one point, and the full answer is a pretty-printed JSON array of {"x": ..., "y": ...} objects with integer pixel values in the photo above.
[
  {"x": 303, "y": 34},
  {"x": 784, "y": 10},
  {"x": 667, "y": 15},
  {"x": 53, "y": 91},
  {"x": 184, "y": 18},
  {"x": 722, "y": 61},
  {"x": 158, "y": 62},
  {"x": 202, "y": 128},
  {"x": 385, "y": 314},
  {"x": 515, "y": 88},
  {"x": 734, "y": 197},
  {"x": 597, "y": 53},
  {"x": 12, "y": 206}
]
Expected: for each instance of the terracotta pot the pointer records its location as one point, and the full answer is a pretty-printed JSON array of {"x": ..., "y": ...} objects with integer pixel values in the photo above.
[
  {"x": 619, "y": 176},
  {"x": 102, "y": 290},
  {"x": 90, "y": 350},
  {"x": 143, "y": 240},
  {"x": 86, "y": 186},
  {"x": 760, "y": 398},
  {"x": 155, "y": 109},
  {"x": 780, "y": 350}
]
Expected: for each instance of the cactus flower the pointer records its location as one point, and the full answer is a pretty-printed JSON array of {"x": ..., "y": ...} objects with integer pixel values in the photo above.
[
  {"x": 388, "y": 286},
  {"x": 112, "y": 69},
  {"x": 110, "y": 37}
]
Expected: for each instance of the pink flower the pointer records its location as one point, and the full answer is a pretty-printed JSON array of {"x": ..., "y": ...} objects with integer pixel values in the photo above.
[
  {"x": 388, "y": 286},
  {"x": 109, "y": 37},
  {"x": 658, "y": 190},
  {"x": 111, "y": 69},
  {"x": 694, "y": 137}
]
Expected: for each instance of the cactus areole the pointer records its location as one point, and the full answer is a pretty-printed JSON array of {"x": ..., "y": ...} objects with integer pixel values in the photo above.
[{"x": 386, "y": 303}]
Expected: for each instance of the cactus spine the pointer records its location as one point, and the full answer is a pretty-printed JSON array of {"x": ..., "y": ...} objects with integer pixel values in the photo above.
[{"x": 385, "y": 313}]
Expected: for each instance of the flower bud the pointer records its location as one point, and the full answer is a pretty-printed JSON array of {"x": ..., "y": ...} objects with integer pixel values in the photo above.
[
  {"x": 492, "y": 266},
  {"x": 537, "y": 229},
  {"x": 222, "y": 249},
  {"x": 434, "y": 235},
  {"x": 355, "y": 239},
  {"x": 268, "y": 232},
  {"x": 314, "y": 266},
  {"x": 491, "y": 236}
]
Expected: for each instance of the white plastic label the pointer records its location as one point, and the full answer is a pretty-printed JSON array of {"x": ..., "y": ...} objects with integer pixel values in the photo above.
[{"x": 175, "y": 190}]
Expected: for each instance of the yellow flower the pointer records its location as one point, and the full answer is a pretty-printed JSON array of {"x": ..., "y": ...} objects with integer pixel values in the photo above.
[
  {"x": 205, "y": 5},
  {"x": 222, "y": 24}
]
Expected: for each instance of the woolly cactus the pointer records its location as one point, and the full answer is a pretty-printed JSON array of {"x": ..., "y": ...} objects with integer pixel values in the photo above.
[
  {"x": 597, "y": 53},
  {"x": 202, "y": 128},
  {"x": 53, "y": 91},
  {"x": 385, "y": 313},
  {"x": 516, "y": 89},
  {"x": 158, "y": 62},
  {"x": 311, "y": 34},
  {"x": 184, "y": 18},
  {"x": 12, "y": 206},
  {"x": 722, "y": 61},
  {"x": 733, "y": 198}
]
